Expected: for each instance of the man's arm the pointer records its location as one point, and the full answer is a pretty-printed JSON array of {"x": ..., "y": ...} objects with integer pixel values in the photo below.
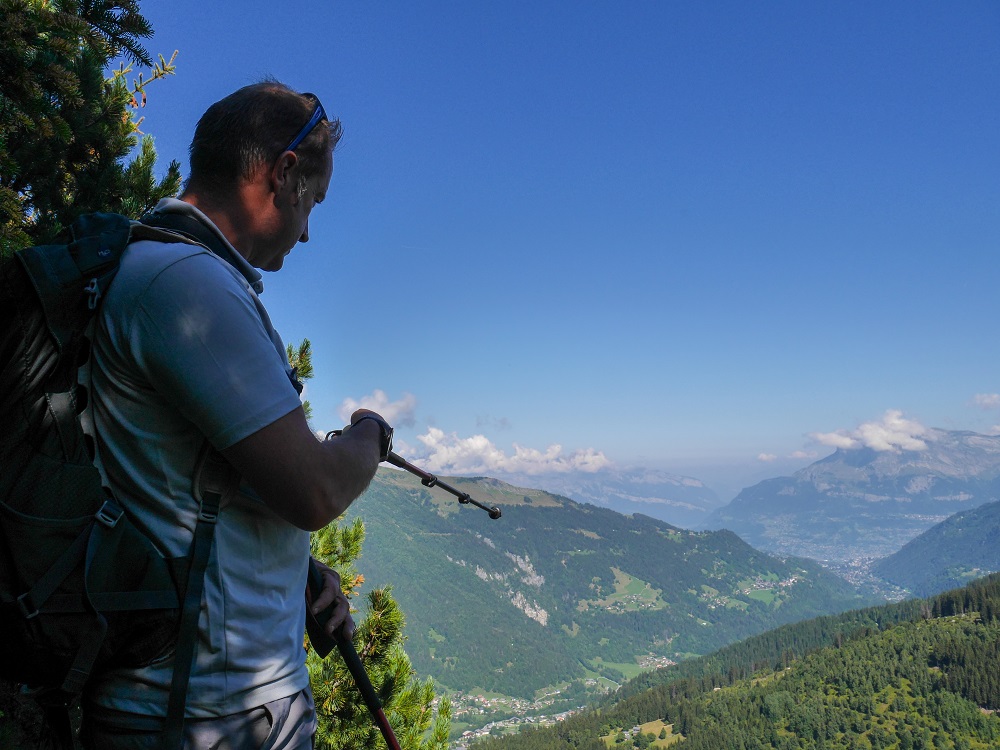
[{"x": 305, "y": 481}]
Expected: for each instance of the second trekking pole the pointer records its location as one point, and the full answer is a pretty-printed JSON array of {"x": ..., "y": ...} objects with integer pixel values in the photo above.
[{"x": 323, "y": 644}]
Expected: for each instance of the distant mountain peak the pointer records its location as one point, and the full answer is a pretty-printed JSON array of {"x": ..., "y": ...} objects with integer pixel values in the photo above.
[
  {"x": 861, "y": 502},
  {"x": 950, "y": 453}
]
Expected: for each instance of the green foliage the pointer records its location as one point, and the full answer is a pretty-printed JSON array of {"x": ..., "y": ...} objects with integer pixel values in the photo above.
[
  {"x": 409, "y": 704},
  {"x": 301, "y": 361},
  {"x": 65, "y": 129}
]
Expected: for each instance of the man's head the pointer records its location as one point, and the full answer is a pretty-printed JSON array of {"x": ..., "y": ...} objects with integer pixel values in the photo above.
[
  {"x": 261, "y": 158},
  {"x": 250, "y": 128}
]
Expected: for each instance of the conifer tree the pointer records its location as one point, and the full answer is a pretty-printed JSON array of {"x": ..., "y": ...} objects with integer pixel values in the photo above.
[
  {"x": 344, "y": 721},
  {"x": 66, "y": 128}
]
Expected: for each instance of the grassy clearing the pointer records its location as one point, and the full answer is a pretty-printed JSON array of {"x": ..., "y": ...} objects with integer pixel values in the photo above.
[
  {"x": 763, "y": 595},
  {"x": 631, "y": 594},
  {"x": 653, "y": 727},
  {"x": 630, "y": 670}
]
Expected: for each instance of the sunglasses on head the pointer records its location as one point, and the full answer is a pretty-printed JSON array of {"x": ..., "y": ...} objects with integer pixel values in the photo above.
[{"x": 318, "y": 114}]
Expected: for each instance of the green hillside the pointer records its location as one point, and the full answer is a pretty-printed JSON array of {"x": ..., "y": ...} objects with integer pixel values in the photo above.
[
  {"x": 957, "y": 550},
  {"x": 555, "y": 594},
  {"x": 911, "y": 676}
]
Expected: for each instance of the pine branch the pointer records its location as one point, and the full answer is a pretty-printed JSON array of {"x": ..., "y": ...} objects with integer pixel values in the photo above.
[{"x": 121, "y": 26}]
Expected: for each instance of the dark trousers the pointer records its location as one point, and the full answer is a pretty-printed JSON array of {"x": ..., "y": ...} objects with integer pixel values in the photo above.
[{"x": 284, "y": 724}]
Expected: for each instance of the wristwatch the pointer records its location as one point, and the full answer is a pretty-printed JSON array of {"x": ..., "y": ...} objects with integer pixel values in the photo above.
[{"x": 385, "y": 439}]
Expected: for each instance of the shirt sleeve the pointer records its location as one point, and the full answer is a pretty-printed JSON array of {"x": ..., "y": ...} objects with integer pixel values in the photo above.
[{"x": 203, "y": 339}]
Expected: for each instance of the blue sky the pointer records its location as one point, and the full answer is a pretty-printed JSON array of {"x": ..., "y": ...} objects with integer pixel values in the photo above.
[{"x": 677, "y": 235}]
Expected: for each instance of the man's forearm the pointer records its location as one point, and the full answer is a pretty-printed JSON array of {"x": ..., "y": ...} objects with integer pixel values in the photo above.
[{"x": 305, "y": 481}]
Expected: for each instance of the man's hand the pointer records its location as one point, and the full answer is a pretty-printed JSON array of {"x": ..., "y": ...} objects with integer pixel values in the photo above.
[
  {"x": 332, "y": 594},
  {"x": 384, "y": 434}
]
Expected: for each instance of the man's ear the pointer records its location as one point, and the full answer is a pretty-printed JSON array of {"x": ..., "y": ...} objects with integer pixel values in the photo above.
[{"x": 284, "y": 175}]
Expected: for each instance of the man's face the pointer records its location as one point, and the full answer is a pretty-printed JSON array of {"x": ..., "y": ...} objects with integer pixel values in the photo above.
[{"x": 295, "y": 216}]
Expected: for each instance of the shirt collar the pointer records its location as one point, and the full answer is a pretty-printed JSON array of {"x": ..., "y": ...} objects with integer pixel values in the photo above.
[{"x": 223, "y": 248}]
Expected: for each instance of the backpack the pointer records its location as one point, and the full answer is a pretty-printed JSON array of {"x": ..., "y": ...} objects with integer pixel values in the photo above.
[{"x": 81, "y": 588}]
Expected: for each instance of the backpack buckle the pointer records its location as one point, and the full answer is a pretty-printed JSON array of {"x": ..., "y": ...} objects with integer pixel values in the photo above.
[
  {"x": 93, "y": 292},
  {"x": 27, "y": 606},
  {"x": 109, "y": 514},
  {"x": 208, "y": 515}
]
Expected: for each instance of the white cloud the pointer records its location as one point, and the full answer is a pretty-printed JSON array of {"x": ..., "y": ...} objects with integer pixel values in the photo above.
[
  {"x": 767, "y": 457},
  {"x": 448, "y": 453},
  {"x": 396, "y": 413},
  {"x": 987, "y": 401},
  {"x": 838, "y": 439},
  {"x": 803, "y": 454},
  {"x": 893, "y": 433}
]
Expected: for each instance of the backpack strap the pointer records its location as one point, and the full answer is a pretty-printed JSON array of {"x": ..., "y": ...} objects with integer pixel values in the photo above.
[
  {"x": 98, "y": 243},
  {"x": 215, "y": 483}
]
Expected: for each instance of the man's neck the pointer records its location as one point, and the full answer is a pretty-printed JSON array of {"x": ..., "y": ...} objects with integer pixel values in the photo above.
[{"x": 233, "y": 218}]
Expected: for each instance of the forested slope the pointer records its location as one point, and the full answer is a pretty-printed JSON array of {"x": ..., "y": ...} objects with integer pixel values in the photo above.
[
  {"x": 921, "y": 674},
  {"x": 957, "y": 550}
]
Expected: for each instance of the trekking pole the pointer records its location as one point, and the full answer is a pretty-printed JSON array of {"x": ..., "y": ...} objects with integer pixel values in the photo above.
[
  {"x": 365, "y": 687},
  {"x": 321, "y": 643},
  {"x": 429, "y": 480}
]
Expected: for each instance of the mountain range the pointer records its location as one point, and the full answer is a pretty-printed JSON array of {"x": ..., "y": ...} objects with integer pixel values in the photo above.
[
  {"x": 565, "y": 598},
  {"x": 865, "y": 503}
]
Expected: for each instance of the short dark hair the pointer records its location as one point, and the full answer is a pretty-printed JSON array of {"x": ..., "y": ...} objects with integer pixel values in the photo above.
[{"x": 250, "y": 128}]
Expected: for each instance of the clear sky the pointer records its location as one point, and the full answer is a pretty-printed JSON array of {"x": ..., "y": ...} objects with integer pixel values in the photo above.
[{"x": 670, "y": 234}]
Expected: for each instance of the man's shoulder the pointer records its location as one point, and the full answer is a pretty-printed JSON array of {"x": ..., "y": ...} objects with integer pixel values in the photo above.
[
  {"x": 165, "y": 268},
  {"x": 147, "y": 259},
  {"x": 144, "y": 251}
]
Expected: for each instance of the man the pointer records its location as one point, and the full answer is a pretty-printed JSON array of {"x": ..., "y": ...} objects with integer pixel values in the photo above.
[{"x": 185, "y": 354}]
